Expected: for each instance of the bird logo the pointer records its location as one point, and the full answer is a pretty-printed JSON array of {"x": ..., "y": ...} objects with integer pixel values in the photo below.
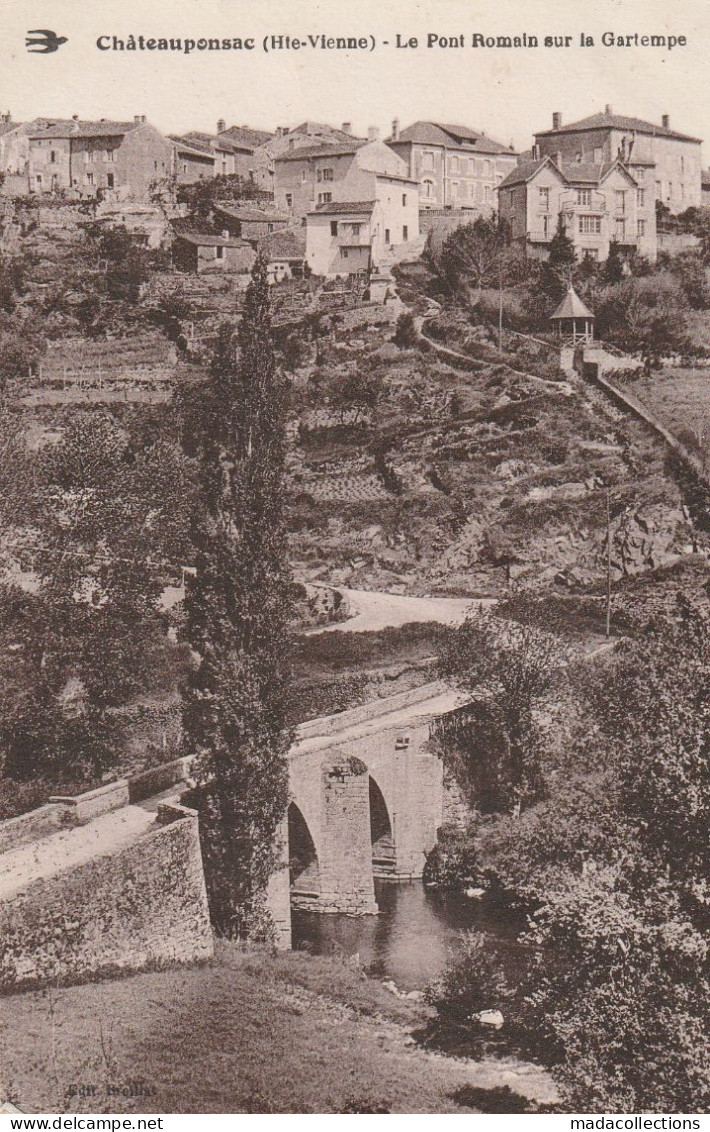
[{"x": 44, "y": 41}]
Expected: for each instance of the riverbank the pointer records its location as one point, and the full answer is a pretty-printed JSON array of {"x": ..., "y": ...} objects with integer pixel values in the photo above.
[{"x": 248, "y": 1032}]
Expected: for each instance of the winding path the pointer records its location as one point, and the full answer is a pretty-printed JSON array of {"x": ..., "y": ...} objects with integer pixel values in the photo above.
[{"x": 374, "y": 610}]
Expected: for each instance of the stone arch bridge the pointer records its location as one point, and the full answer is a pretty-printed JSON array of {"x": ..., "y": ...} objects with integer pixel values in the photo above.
[{"x": 367, "y": 798}]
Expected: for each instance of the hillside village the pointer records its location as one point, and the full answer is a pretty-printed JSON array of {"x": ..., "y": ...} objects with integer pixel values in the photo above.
[{"x": 494, "y": 370}]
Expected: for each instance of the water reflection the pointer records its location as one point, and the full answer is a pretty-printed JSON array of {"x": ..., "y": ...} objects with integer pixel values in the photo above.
[{"x": 411, "y": 939}]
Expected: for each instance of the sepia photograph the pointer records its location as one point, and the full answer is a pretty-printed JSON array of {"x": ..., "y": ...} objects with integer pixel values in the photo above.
[{"x": 355, "y": 561}]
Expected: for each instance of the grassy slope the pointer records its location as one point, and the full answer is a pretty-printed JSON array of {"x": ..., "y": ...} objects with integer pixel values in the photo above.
[{"x": 246, "y": 1033}]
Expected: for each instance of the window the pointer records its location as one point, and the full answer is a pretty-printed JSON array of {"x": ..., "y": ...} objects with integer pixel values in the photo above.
[
  {"x": 184, "y": 167},
  {"x": 334, "y": 227},
  {"x": 356, "y": 229},
  {"x": 87, "y": 157},
  {"x": 641, "y": 197},
  {"x": 640, "y": 227},
  {"x": 584, "y": 197},
  {"x": 404, "y": 200},
  {"x": 427, "y": 159},
  {"x": 304, "y": 176},
  {"x": 428, "y": 187},
  {"x": 401, "y": 743},
  {"x": 454, "y": 164},
  {"x": 89, "y": 178},
  {"x": 53, "y": 157},
  {"x": 598, "y": 155},
  {"x": 659, "y": 189},
  {"x": 325, "y": 198},
  {"x": 405, "y": 233},
  {"x": 289, "y": 200},
  {"x": 669, "y": 195},
  {"x": 682, "y": 191},
  {"x": 454, "y": 188},
  {"x": 344, "y": 253},
  {"x": 387, "y": 235},
  {"x": 219, "y": 253},
  {"x": 110, "y": 155},
  {"x": 641, "y": 174},
  {"x": 621, "y": 230},
  {"x": 38, "y": 180},
  {"x": 155, "y": 165},
  {"x": 110, "y": 180},
  {"x": 487, "y": 193},
  {"x": 681, "y": 164},
  {"x": 328, "y": 174},
  {"x": 546, "y": 227},
  {"x": 591, "y": 253},
  {"x": 487, "y": 168},
  {"x": 620, "y": 195},
  {"x": 590, "y": 225},
  {"x": 544, "y": 201}
]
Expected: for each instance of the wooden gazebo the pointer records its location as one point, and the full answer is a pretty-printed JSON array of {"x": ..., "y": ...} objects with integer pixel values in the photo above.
[{"x": 573, "y": 320}]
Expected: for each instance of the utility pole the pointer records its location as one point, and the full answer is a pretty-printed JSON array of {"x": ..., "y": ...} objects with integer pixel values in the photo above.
[
  {"x": 500, "y": 304},
  {"x": 608, "y": 561}
]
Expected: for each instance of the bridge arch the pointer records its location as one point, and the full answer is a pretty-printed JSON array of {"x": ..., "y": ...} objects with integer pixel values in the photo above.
[
  {"x": 303, "y": 864},
  {"x": 384, "y": 855}
]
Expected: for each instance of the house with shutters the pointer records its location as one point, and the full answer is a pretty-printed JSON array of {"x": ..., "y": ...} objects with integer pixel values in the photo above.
[
  {"x": 308, "y": 176},
  {"x": 595, "y": 204},
  {"x": 92, "y": 159},
  {"x": 456, "y": 167},
  {"x": 666, "y": 164}
]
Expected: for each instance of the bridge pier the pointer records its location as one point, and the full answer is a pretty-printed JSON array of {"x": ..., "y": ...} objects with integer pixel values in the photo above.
[{"x": 345, "y": 857}]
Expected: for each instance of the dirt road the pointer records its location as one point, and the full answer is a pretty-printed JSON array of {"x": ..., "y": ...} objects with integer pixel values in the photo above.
[{"x": 373, "y": 610}]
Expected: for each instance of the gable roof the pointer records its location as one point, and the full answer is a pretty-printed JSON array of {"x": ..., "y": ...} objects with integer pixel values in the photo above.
[
  {"x": 245, "y": 136},
  {"x": 323, "y": 149},
  {"x": 322, "y": 130},
  {"x": 288, "y": 243},
  {"x": 434, "y": 133},
  {"x": 204, "y": 149},
  {"x": 8, "y": 127},
  {"x": 248, "y": 212},
  {"x": 345, "y": 208},
  {"x": 618, "y": 122},
  {"x": 204, "y": 240},
  {"x": 77, "y": 129},
  {"x": 571, "y": 307},
  {"x": 573, "y": 172}
]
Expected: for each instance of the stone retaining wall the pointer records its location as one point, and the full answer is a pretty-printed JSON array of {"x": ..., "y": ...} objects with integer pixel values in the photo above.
[{"x": 144, "y": 905}]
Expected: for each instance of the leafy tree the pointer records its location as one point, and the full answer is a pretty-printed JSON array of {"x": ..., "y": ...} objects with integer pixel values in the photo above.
[
  {"x": 614, "y": 266},
  {"x": 238, "y": 614},
  {"x": 511, "y": 667},
  {"x": 405, "y": 335},
  {"x": 473, "y": 257}
]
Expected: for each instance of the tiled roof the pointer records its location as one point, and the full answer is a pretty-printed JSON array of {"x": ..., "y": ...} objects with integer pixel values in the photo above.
[
  {"x": 574, "y": 172},
  {"x": 289, "y": 243},
  {"x": 345, "y": 207},
  {"x": 245, "y": 136},
  {"x": 434, "y": 133},
  {"x": 255, "y": 214},
  {"x": 617, "y": 122},
  {"x": 572, "y": 307},
  {"x": 321, "y": 129},
  {"x": 74, "y": 129},
  {"x": 201, "y": 240},
  {"x": 191, "y": 143},
  {"x": 8, "y": 127},
  {"x": 322, "y": 150}
]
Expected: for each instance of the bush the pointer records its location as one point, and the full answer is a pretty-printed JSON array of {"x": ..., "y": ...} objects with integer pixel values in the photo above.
[{"x": 405, "y": 335}]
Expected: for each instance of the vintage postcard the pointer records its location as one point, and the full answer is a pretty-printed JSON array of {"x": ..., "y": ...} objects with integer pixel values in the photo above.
[{"x": 354, "y": 561}]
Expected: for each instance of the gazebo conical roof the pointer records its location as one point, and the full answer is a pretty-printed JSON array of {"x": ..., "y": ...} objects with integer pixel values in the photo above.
[{"x": 571, "y": 307}]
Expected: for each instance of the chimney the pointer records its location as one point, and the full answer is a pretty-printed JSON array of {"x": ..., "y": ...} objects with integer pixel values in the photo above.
[
  {"x": 556, "y": 120},
  {"x": 395, "y": 129},
  {"x": 535, "y": 152},
  {"x": 136, "y": 119},
  {"x": 558, "y": 160},
  {"x": 608, "y": 109},
  {"x": 373, "y": 133},
  {"x": 143, "y": 118},
  {"x": 221, "y": 126},
  {"x": 75, "y": 117},
  {"x": 347, "y": 127},
  {"x": 666, "y": 121}
]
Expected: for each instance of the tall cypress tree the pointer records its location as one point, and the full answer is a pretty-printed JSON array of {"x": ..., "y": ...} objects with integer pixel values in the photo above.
[{"x": 238, "y": 616}]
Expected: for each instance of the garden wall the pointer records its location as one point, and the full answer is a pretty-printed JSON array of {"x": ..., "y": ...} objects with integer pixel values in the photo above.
[{"x": 141, "y": 906}]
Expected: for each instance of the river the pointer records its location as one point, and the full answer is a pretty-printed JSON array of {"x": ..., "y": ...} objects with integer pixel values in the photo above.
[{"x": 414, "y": 934}]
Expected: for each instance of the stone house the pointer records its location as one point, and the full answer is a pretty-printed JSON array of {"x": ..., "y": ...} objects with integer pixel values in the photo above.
[
  {"x": 666, "y": 164},
  {"x": 286, "y": 140},
  {"x": 249, "y": 223},
  {"x": 457, "y": 168},
  {"x": 285, "y": 251},
  {"x": 320, "y": 174},
  {"x": 355, "y": 237},
  {"x": 597, "y": 204},
  {"x": 97, "y": 158},
  {"x": 193, "y": 160},
  {"x": 196, "y": 252}
]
